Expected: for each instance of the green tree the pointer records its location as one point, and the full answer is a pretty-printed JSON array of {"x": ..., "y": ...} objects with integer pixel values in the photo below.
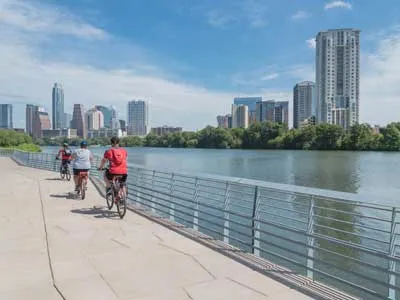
[
  {"x": 391, "y": 138},
  {"x": 327, "y": 137}
]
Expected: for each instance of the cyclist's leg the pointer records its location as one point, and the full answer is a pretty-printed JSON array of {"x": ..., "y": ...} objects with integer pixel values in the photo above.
[
  {"x": 76, "y": 179},
  {"x": 123, "y": 181},
  {"x": 107, "y": 180}
]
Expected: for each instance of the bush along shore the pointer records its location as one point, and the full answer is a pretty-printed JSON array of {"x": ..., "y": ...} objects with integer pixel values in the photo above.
[
  {"x": 11, "y": 139},
  {"x": 266, "y": 135}
]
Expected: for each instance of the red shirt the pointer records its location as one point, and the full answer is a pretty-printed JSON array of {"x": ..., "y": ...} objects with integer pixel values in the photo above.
[
  {"x": 117, "y": 158},
  {"x": 64, "y": 155}
]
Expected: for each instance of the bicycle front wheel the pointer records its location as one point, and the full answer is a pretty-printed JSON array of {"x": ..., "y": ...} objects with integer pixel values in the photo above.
[
  {"x": 121, "y": 203},
  {"x": 110, "y": 199},
  {"x": 68, "y": 175}
]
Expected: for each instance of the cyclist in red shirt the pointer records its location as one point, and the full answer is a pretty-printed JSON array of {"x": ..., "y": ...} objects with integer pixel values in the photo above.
[
  {"x": 117, "y": 158},
  {"x": 66, "y": 155}
]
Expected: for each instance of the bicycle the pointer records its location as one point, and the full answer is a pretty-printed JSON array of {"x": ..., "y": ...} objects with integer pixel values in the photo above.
[
  {"x": 65, "y": 172},
  {"x": 82, "y": 183},
  {"x": 117, "y": 195}
]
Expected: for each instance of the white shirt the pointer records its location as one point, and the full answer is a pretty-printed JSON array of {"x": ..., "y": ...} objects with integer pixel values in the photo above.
[{"x": 82, "y": 159}]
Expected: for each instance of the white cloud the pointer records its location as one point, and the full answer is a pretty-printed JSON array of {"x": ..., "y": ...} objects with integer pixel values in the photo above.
[
  {"x": 250, "y": 12},
  {"x": 380, "y": 89},
  {"x": 311, "y": 43},
  {"x": 300, "y": 15},
  {"x": 269, "y": 76},
  {"x": 35, "y": 17},
  {"x": 338, "y": 4}
]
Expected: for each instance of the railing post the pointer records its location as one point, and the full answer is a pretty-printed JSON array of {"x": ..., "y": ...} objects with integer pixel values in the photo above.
[
  {"x": 137, "y": 187},
  {"x": 226, "y": 212},
  {"x": 171, "y": 197},
  {"x": 310, "y": 240},
  {"x": 255, "y": 225},
  {"x": 153, "y": 204},
  {"x": 392, "y": 254},
  {"x": 196, "y": 205}
]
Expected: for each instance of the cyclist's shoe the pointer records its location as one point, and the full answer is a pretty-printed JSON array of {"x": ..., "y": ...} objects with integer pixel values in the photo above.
[{"x": 77, "y": 188}]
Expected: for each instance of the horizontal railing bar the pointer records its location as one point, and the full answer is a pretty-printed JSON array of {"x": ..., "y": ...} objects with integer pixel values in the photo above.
[
  {"x": 285, "y": 209},
  {"x": 350, "y": 233},
  {"x": 351, "y": 214},
  {"x": 284, "y": 217}
]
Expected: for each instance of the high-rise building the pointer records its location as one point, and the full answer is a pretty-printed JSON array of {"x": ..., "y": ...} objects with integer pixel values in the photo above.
[
  {"x": 251, "y": 103},
  {"x": 29, "y": 119},
  {"x": 223, "y": 121},
  {"x": 94, "y": 119},
  {"x": 273, "y": 111},
  {"x": 165, "y": 130},
  {"x": 67, "y": 120},
  {"x": 58, "y": 106},
  {"x": 122, "y": 125},
  {"x": 265, "y": 111},
  {"x": 240, "y": 116},
  {"x": 303, "y": 102},
  {"x": 78, "y": 120},
  {"x": 107, "y": 114},
  {"x": 138, "y": 118},
  {"x": 282, "y": 112},
  {"x": 338, "y": 76},
  {"x": 6, "y": 116},
  {"x": 41, "y": 121}
]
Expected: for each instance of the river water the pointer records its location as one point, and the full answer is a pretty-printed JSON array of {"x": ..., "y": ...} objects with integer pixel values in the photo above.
[{"x": 376, "y": 173}]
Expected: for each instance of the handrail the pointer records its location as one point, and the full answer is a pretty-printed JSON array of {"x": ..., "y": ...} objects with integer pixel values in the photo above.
[{"x": 331, "y": 237}]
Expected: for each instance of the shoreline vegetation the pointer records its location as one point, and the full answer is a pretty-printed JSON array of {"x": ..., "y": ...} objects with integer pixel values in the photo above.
[
  {"x": 10, "y": 139},
  {"x": 266, "y": 135}
]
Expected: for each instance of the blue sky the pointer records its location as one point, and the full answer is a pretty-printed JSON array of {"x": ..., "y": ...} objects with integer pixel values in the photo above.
[{"x": 188, "y": 58}]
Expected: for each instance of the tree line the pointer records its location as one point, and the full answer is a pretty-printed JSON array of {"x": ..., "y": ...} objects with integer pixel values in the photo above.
[
  {"x": 267, "y": 135},
  {"x": 17, "y": 140}
]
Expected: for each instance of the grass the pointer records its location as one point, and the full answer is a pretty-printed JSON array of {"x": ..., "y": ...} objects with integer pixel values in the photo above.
[{"x": 25, "y": 147}]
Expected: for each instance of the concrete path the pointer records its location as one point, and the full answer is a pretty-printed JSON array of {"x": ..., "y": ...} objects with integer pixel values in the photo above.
[{"x": 92, "y": 254}]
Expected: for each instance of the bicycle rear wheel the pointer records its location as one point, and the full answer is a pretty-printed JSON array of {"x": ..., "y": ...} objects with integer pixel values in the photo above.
[
  {"x": 83, "y": 188},
  {"x": 121, "y": 203}
]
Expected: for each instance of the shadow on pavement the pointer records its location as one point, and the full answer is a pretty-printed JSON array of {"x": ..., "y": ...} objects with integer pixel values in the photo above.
[
  {"x": 54, "y": 179},
  {"x": 69, "y": 196},
  {"x": 97, "y": 212}
]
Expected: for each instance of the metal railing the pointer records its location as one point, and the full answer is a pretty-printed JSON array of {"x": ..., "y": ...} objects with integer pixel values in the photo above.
[{"x": 328, "y": 237}]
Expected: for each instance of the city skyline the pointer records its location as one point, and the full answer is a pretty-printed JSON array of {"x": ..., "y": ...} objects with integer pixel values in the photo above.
[
  {"x": 105, "y": 63},
  {"x": 57, "y": 107}
]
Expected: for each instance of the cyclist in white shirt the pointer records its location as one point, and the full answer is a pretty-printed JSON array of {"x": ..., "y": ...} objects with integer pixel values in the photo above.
[{"x": 82, "y": 159}]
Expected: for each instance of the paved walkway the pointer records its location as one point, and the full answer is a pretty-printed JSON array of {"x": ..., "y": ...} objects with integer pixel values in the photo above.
[{"x": 95, "y": 255}]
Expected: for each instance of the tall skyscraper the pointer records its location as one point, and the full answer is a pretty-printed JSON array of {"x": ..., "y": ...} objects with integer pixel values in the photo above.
[
  {"x": 122, "y": 125},
  {"x": 338, "y": 76},
  {"x": 240, "y": 116},
  {"x": 251, "y": 103},
  {"x": 58, "y": 106},
  {"x": 6, "y": 116},
  {"x": 273, "y": 111},
  {"x": 265, "y": 111},
  {"x": 94, "y": 119},
  {"x": 41, "y": 121},
  {"x": 303, "y": 102},
  {"x": 108, "y": 113},
  {"x": 282, "y": 112},
  {"x": 138, "y": 118},
  {"x": 29, "y": 119},
  {"x": 67, "y": 120},
  {"x": 78, "y": 120},
  {"x": 223, "y": 121}
]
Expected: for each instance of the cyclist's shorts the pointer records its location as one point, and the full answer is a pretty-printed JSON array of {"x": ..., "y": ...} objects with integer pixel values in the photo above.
[
  {"x": 110, "y": 176},
  {"x": 65, "y": 161},
  {"x": 77, "y": 171}
]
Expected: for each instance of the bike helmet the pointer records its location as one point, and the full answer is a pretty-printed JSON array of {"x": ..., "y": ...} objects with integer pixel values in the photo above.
[
  {"x": 83, "y": 143},
  {"x": 65, "y": 145}
]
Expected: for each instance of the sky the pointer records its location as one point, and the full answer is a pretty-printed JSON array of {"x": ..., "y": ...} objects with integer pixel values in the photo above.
[{"x": 188, "y": 58}]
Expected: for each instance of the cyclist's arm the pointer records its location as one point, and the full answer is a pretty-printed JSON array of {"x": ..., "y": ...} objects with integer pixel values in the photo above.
[{"x": 102, "y": 163}]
